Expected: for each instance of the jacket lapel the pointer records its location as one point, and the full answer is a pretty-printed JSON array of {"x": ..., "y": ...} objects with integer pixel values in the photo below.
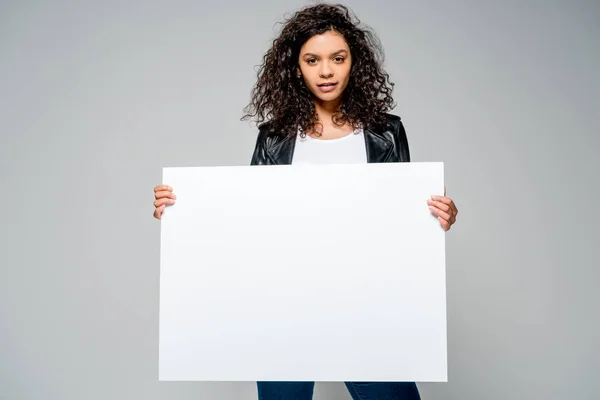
[
  {"x": 282, "y": 152},
  {"x": 379, "y": 148}
]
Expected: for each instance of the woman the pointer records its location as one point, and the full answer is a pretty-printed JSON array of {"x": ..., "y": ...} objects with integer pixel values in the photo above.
[{"x": 323, "y": 97}]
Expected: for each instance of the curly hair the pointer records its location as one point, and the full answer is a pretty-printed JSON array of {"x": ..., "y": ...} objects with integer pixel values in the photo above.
[{"x": 283, "y": 100}]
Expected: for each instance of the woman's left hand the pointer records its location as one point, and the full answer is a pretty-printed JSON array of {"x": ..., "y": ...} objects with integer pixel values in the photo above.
[{"x": 445, "y": 209}]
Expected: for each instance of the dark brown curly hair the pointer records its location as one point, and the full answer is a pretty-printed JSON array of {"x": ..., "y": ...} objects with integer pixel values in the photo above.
[{"x": 283, "y": 100}]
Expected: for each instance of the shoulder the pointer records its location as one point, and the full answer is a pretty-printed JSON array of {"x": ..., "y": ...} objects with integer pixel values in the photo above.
[
  {"x": 394, "y": 121},
  {"x": 395, "y": 124},
  {"x": 268, "y": 137},
  {"x": 271, "y": 143},
  {"x": 392, "y": 117},
  {"x": 397, "y": 133}
]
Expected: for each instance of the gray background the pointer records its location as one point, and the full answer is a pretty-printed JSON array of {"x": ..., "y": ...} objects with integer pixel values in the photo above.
[{"x": 96, "y": 97}]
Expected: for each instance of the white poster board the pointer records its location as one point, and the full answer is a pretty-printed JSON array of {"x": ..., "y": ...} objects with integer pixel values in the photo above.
[{"x": 303, "y": 273}]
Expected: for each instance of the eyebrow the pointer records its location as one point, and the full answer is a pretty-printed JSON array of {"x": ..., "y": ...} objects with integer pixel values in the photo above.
[{"x": 333, "y": 54}]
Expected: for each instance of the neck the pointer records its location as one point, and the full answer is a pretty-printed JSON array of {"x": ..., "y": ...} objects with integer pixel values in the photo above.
[{"x": 325, "y": 109}]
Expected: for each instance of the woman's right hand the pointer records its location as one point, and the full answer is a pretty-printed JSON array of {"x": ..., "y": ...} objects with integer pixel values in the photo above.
[{"x": 164, "y": 196}]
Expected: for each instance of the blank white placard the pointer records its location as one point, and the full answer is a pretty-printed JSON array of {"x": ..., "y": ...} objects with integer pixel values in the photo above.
[{"x": 303, "y": 273}]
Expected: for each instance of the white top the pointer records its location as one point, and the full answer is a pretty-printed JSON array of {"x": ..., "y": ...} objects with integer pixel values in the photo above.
[{"x": 349, "y": 149}]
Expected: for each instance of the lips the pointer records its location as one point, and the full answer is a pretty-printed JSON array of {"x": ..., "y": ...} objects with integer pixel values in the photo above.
[{"x": 327, "y": 86}]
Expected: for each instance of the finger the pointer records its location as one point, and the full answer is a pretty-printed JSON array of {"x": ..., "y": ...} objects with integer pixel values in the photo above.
[
  {"x": 163, "y": 201},
  {"x": 158, "y": 212},
  {"x": 440, "y": 205},
  {"x": 444, "y": 190},
  {"x": 453, "y": 205},
  {"x": 165, "y": 193},
  {"x": 444, "y": 224},
  {"x": 445, "y": 200},
  {"x": 440, "y": 213},
  {"x": 161, "y": 188}
]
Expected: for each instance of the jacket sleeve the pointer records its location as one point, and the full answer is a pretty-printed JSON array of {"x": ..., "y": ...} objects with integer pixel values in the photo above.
[
  {"x": 402, "y": 142},
  {"x": 259, "y": 156}
]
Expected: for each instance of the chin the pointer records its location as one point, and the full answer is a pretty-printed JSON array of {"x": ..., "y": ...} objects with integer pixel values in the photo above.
[{"x": 334, "y": 96}]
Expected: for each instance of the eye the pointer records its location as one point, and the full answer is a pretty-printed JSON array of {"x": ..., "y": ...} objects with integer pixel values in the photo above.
[
  {"x": 311, "y": 60},
  {"x": 339, "y": 59}
]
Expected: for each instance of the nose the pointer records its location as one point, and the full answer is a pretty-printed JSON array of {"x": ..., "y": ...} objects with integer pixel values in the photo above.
[{"x": 326, "y": 71}]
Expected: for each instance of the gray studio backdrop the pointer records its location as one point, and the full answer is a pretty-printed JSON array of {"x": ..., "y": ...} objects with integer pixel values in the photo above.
[{"x": 96, "y": 97}]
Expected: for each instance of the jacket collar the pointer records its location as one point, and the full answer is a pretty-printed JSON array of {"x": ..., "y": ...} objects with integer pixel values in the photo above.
[{"x": 379, "y": 148}]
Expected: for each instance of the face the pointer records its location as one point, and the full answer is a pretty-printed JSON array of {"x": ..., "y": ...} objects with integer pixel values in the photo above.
[{"x": 325, "y": 62}]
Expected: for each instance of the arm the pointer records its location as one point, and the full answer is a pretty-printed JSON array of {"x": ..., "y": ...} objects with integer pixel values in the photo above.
[
  {"x": 259, "y": 156},
  {"x": 402, "y": 142}
]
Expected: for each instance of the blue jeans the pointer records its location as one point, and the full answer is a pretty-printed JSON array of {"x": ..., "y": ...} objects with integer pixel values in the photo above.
[{"x": 358, "y": 390}]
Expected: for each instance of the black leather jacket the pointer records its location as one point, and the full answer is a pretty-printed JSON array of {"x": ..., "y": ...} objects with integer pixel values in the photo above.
[{"x": 383, "y": 145}]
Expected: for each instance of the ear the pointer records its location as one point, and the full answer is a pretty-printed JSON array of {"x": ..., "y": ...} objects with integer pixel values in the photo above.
[{"x": 298, "y": 73}]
